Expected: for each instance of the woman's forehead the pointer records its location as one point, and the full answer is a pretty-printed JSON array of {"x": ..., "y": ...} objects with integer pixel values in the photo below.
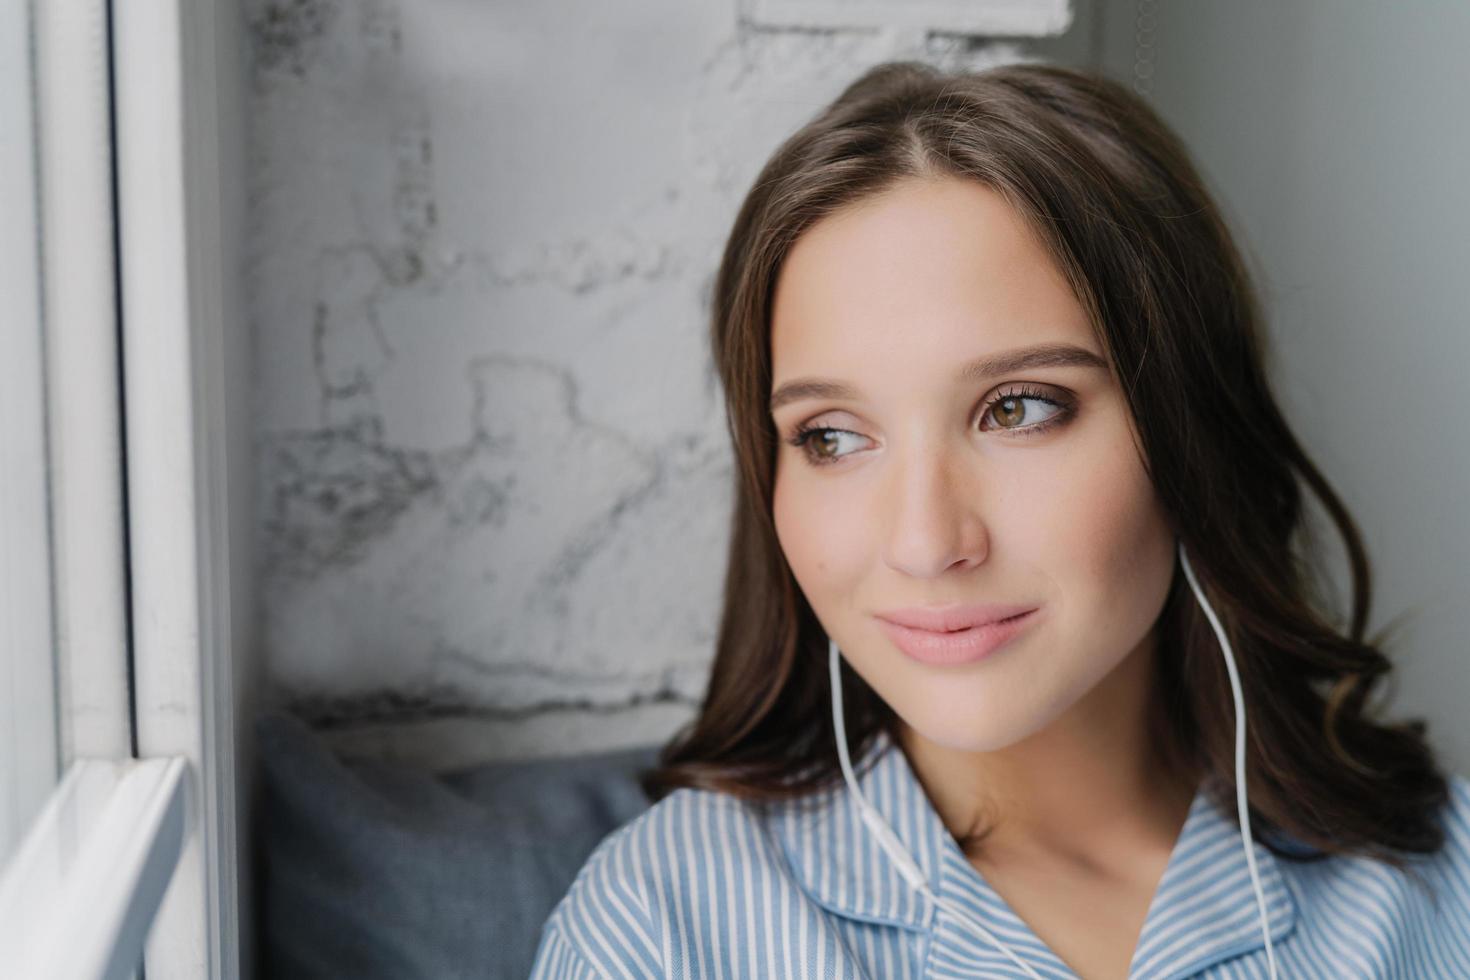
[{"x": 923, "y": 264}]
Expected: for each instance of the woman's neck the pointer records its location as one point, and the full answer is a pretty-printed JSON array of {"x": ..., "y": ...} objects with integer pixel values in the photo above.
[{"x": 1090, "y": 788}]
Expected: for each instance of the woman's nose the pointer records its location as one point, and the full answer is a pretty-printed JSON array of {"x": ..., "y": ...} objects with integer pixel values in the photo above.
[{"x": 933, "y": 517}]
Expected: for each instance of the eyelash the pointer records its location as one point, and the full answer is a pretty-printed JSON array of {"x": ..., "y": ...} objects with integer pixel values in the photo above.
[{"x": 802, "y": 437}]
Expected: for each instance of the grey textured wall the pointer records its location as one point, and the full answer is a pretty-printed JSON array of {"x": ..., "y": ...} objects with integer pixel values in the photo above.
[{"x": 493, "y": 467}]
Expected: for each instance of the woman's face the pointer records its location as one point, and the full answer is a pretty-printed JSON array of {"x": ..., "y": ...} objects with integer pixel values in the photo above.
[{"x": 929, "y": 487}]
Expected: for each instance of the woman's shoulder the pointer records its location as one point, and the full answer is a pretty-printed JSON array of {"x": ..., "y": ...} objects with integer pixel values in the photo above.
[
  {"x": 612, "y": 911},
  {"x": 1388, "y": 910},
  {"x": 1431, "y": 895},
  {"x": 1452, "y": 860},
  {"x": 657, "y": 844},
  {"x": 1457, "y": 809}
]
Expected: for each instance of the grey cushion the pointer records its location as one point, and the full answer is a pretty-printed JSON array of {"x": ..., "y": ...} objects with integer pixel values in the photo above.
[{"x": 372, "y": 870}]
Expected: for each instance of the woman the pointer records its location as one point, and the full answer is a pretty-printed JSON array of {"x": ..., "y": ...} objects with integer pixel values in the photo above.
[{"x": 994, "y": 368}]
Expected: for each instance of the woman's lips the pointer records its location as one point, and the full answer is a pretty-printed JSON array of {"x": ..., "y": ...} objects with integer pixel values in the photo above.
[{"x": 959, "y": 647}]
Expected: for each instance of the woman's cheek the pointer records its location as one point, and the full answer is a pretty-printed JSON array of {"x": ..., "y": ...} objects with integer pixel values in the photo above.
[
  {"x": 801, "y": 534},
  {"x": 1122, "y": 541},
  {"x": 824, "y": 533}
]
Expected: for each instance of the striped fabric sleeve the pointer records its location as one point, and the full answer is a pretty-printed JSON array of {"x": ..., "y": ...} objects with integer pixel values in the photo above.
[
  {"x": 558, "y": 959},
  {"x": 602, "y": 926}
]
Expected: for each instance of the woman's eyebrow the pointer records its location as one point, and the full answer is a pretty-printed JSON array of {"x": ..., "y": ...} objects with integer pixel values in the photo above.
[{"x": 1002, "y": 362}]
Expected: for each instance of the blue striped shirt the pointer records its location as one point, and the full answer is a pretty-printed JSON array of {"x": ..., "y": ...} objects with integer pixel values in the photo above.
[{"x": 703, "y": 885}]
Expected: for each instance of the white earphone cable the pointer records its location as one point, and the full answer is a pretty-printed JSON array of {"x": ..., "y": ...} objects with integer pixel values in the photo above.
[
  {"x": 1240, "y": 790},
  {"x": 911, "y": 872},
  {"x": 886, "y": 837}
]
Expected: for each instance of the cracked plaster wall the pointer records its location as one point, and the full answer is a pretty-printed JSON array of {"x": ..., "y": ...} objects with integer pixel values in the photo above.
[{"x": 493, "y": 469}]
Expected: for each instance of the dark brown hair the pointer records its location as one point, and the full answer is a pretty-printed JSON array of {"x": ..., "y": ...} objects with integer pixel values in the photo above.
[{"x": 1114, "y": 196}]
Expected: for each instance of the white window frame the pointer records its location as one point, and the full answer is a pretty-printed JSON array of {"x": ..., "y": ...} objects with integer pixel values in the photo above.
[
  {"x": 29, "y": 749},
  {"x": 125, "y": 347},
  {"x": 79, "y": 896}
]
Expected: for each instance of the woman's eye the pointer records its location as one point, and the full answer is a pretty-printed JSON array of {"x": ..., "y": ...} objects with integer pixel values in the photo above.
[
  {"x": 820, "y": 444},
  {"x": 1017, "y": 414},
  {"x": 1012, "y": 412}
]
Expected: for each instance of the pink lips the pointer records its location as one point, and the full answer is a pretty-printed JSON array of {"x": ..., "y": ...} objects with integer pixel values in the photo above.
[{"x": 956, "y": 634}]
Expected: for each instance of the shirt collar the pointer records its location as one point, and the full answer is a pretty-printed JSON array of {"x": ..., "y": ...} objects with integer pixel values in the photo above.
[{"x": 1203, "y": 911}]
